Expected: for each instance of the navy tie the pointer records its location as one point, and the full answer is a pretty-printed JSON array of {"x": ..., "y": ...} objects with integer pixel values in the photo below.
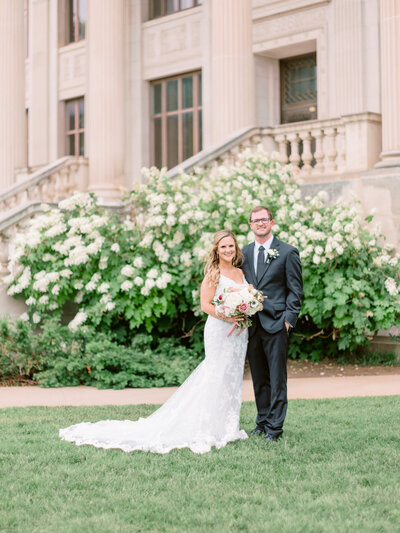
[{"x": 260, "y": 262}]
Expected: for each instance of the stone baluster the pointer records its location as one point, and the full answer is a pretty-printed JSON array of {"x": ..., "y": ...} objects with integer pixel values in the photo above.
[
  {"x": 64, "y": 174},
  {"x": 319, "y": 151},
  {"x": 57, "y": 186},
  {"x": 5, "y": 236},
  {"x": 34, "y": 193},
  {"x": 294, "y": 158},
  {"x": 73, "y": 184},
  {"x": 307, "y": 154},
  {"x": 45, "y": 189},
  {"x": 282, "y": 144},
  {"x": 341, "y": 147},
  {"x": 331, "y": 151}
]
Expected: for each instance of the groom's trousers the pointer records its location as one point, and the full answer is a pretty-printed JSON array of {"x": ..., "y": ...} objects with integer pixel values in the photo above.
[{"x": 267, "y": 355}]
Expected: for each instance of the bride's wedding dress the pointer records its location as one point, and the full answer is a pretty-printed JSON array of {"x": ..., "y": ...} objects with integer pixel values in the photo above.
[{"x": 202, "y": 413}]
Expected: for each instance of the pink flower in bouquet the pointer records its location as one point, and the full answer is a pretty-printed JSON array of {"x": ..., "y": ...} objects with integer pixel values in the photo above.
[{"x": 243, "y": 308}]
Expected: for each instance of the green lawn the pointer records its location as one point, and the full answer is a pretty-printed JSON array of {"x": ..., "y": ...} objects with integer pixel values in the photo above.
[{"x": 336, "y": 470}]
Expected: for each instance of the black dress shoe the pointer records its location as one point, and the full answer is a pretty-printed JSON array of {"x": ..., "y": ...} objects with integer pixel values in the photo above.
[
  {"x": 271, "y": 438},
  {"x": 257, "y": 431}
]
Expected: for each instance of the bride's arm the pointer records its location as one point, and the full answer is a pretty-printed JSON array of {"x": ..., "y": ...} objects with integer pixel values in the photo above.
[{"x": 207, "y": 293}]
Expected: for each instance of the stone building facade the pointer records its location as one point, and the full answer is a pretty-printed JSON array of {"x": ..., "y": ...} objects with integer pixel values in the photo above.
[{"x": 122, "y": 84}]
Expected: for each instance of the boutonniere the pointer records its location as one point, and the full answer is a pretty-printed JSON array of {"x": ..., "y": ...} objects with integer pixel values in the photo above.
[{"x": 272, "y": 254}]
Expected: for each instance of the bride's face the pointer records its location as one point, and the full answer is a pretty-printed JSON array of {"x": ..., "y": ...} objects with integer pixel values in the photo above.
[{"x": 226, "y": 250}]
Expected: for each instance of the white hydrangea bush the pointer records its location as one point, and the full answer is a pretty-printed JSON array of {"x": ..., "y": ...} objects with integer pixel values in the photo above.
[{"x": 146, "y": 272}]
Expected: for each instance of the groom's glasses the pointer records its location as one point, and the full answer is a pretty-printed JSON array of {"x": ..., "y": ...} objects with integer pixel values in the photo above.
[{"x": 258, "y": 220}]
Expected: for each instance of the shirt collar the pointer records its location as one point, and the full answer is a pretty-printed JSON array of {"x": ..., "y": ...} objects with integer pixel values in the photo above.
[{"x": 267, "y": 244}]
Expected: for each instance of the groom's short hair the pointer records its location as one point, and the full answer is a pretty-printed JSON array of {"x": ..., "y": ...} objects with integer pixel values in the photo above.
[{"x": 260, "y": 208}]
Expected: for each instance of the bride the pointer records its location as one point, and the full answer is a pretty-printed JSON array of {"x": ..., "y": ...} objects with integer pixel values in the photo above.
[{"x": 204, "y": 411}]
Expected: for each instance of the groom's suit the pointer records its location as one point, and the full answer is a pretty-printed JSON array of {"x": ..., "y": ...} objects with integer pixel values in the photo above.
[{"x": 280, "y": 281}]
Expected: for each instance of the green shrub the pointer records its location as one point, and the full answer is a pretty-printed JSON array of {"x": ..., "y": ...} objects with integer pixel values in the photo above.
[
  {"x": 144, "y": 276},
  {"x": 55, "y": 356}
]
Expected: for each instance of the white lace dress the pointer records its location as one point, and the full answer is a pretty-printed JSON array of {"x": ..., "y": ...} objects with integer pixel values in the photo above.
[{"x": 202, "y": 413}]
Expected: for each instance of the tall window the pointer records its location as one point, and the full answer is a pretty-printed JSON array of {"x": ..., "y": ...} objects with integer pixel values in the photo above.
[
  {"x": 159, "y": 8},
  {"x": 298, "y": 88},
  {"x": 75, "y": 130},
  {"x": 176, "y": 119},
  {"x": 72, "y": 21}
]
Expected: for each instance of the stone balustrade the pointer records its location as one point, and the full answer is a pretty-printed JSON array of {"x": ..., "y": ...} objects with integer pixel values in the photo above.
[
  {"x": 318, "y": 150},
  {"x": 51, "y": 183}
]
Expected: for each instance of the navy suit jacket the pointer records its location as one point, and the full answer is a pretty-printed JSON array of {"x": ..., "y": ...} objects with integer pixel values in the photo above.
[{"x": 281, "y": 284}]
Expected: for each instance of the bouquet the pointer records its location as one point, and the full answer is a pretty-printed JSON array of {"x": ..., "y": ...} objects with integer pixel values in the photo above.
[{"x": 238, "y": 302}]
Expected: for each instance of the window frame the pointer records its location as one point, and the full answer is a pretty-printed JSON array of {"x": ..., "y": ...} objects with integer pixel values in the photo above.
[
  {"x": 76, "y": 131},
  {"x": 64, "y": 29},
  {"x": 284, "y": 108},
  {"x": 196, "y": 3},
  {"x": 179, "y": 112}
]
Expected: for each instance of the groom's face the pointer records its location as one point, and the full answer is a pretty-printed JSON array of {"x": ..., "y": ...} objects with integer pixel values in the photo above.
[{"x": 261, "y": 224}]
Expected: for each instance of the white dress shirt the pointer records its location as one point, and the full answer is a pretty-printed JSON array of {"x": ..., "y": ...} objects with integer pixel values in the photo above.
[{"x": 267, "y": 246}]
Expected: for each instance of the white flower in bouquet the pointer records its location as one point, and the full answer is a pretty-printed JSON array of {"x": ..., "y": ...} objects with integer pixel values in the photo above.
[{"x": 241, "y": 303}]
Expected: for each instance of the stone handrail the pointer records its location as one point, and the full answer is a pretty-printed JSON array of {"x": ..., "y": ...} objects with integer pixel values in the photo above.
[
  {"x": 49, "y": 184},
  {"x": 245, "y": 137}
]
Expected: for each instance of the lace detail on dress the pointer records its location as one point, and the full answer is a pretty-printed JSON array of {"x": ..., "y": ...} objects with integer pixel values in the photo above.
[{"x": 204, "y": 411}]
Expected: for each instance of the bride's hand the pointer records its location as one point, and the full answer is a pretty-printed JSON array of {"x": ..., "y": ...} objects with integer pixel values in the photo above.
[{"x": 233, "y": 319}]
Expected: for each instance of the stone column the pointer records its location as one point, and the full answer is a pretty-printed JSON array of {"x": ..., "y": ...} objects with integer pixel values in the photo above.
[
  {"x": 348, "y": 79},
  {"x": 39, "y": 109},
  {"x": 12, "y": 90},
  {"x": 232, "y": 67},
  {"x": 390, "y": 82},
  {"x": 105, "y": 98}
]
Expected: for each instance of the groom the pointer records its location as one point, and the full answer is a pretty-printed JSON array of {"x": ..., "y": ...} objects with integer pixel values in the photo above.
[{"x": 274, "y": 268}]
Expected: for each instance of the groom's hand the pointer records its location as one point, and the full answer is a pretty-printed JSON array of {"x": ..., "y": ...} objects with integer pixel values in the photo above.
[{"x": 287, "y": 325}]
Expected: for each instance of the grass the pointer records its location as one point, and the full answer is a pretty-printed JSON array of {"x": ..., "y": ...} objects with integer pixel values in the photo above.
[{"x": 336, "y": 470}]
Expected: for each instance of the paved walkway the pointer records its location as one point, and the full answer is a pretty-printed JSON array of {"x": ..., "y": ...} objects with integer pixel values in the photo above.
[{"x": 306, "y": 388}]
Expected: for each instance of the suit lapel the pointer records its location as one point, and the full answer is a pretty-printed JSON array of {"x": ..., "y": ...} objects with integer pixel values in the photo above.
[{"x": 274, "y": 245}]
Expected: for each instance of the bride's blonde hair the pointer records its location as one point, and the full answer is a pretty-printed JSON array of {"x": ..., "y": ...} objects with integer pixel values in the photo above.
[{"x": 211, "y": 269}]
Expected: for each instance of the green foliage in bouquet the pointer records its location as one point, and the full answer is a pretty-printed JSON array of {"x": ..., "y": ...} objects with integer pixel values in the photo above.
[{"x": 129, "y": 277}]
